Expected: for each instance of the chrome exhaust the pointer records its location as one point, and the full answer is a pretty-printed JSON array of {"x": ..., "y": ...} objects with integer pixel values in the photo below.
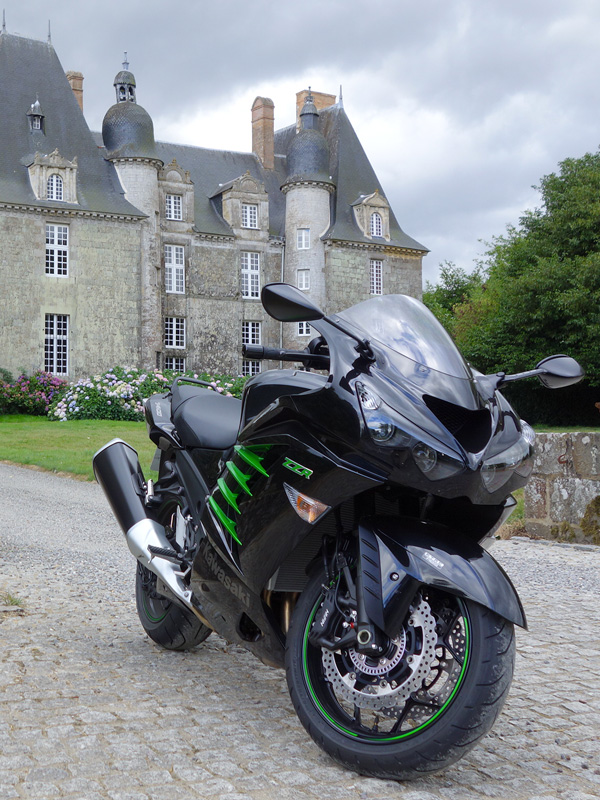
[{"x": 117, "y": 470}]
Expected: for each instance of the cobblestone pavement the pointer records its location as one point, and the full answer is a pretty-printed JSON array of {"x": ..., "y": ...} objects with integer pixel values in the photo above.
[{"x": 90, "y": 708}]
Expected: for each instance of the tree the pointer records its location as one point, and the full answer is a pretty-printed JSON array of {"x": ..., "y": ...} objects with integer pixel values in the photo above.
[{"x": 541, "y": 293}]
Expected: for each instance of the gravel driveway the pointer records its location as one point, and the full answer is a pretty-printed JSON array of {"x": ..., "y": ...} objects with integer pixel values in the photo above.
[{"x": 90, "y": 708}]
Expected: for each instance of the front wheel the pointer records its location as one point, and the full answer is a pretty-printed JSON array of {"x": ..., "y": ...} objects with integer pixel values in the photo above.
[{"x": 420, "y": 706}]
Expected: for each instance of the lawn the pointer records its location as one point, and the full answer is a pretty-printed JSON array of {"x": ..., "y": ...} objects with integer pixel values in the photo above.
[{"x": 67, "y": 446}]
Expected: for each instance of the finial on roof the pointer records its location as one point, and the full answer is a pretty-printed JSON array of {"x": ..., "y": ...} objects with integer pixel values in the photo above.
[
  {"x": 309, "y": 97},
  {"x": 125, "y": 62},
  {"x": 341, "y": 103},
  {"x": 3, "y": 20},
  {"x": 49, "y": 33}
]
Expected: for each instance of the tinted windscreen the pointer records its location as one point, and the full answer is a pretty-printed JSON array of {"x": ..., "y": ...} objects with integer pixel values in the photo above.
[{"x": 405, "y": 326}]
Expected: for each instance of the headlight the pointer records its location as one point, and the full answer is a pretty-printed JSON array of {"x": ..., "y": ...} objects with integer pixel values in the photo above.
[
  {"x": 388, "y": 428},
  {"x": 518, "y": 458}
]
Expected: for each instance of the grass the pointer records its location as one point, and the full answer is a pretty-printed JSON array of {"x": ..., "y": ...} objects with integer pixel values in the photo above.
[
  {"x": 8, "y": 599},
  {"x": 67, "y": 447}
]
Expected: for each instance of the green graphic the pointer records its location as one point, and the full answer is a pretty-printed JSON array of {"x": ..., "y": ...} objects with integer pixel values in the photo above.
[
  {"x": 235, "y": 482},
  {"x": 304, "y": 472}
]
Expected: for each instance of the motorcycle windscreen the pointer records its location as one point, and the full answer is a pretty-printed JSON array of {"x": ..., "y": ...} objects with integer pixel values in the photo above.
[{"x": 411, "y": 345}]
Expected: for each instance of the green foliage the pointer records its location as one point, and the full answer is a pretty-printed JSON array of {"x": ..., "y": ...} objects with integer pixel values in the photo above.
[
  {"x": 455, "y": 287},
  {"x": 539, "y": 294},
  {"x": 119, "y": 393},
  {"x": 30, "y": 394}
]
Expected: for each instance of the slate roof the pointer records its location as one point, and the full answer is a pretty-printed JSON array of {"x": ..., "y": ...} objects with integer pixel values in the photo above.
[
  {"x": 353, "y": 176},
  {"x": 30, "y": 69}
]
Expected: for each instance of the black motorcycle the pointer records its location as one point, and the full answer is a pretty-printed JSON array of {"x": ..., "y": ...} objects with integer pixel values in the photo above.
[{"x": 335, "y": 522}]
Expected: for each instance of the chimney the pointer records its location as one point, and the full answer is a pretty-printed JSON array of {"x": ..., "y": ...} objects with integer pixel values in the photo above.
[
  {"x": 263, "y": 131},
  {"x": 320, "y": 99},
  {"x": 76, "y": 81}
]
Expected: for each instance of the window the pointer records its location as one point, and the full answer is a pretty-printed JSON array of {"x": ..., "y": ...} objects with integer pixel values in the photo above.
[
  {"x": 56, "y": 344},
  {"x": 173, "y": 206},
  {"x": 303, "y": 279},
  {"x": 250, "y": 275},
  {"x": 54, "y": 188},
  {"x": 251, "y": 333},
  {"x": 303, "y": 329},
  {"x": 175, "y": 332},
  {"x": 174, "y": 269},
  {"x": 36, "y": 123},
  {"x": 376, "y": 225},
  {"x": 303, "y": 238},
  {"x": 250, "y": 367},
  {"x": 249, "y": 215},
  {"x": 175, "y": 364},
  {"x": 57, "y": 250},
  {"x": 376, "y": 270}
]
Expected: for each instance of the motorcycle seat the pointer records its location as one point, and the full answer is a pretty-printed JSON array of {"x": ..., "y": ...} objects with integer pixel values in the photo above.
[{"x": 205, "y": 418}]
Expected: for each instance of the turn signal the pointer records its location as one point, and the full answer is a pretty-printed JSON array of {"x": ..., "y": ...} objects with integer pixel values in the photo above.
[{"x": 307, "y": 508}]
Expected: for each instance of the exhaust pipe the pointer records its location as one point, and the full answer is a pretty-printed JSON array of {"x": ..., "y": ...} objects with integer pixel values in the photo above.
[{"x": 117, "y": 470}]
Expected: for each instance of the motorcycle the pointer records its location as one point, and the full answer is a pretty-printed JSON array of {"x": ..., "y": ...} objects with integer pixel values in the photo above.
[{"x": 335, "y": 521}]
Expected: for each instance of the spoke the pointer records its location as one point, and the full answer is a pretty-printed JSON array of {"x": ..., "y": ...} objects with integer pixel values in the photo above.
[{"x": 357, "y": 719}]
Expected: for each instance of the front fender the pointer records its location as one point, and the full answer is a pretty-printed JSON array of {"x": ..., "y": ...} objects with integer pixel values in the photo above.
[{"x": 399, "y": 554}]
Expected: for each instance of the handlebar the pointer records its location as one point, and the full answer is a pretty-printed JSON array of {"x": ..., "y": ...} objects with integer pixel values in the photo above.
[{"x": 258, "y": 351}]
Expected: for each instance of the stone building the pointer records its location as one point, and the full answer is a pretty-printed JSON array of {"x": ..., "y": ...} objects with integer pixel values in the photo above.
[{"x": 120, "y": 249}]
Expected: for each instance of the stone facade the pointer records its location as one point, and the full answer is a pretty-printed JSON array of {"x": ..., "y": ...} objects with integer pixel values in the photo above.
[
  {"x": 169, "y": 245},
  {"x": 562, "y": 498}
]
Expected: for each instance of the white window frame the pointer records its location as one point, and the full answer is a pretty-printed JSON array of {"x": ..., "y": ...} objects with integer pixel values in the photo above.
[
  {"x": 304, "y": 329},
  {"x": 175, "y": 363},
  {"x": 303, "y": 279},
  {"x": 174, "y": 206},
  {"x": 174, "y": 269},
  {"x": 376, "y": 225},
  {"x": 250, "y": 274},
  {"x": 36, "y": 123},
  {"x": 303, "y": 238},
  {"x": 250, "y": 367},
  {"x": 251, "y": 333},
  {"x": 56, "y": 344},
  {"x": 376, "y": 276},
  {"x": 55, "y": 188},
  {"x": 57, "y": 250},
  {"x": 250, "y": 215},
  {"x": 175, "y": 333}
]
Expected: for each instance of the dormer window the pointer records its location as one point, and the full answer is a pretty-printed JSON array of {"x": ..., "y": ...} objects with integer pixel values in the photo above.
[
  {"x": 54, "y": 188},
  {"x": 36, "y": 117},
  {"x": 376, "y": 225},
  {"x": 249, "y": 215},
  {"x": 372, "y": 215}
]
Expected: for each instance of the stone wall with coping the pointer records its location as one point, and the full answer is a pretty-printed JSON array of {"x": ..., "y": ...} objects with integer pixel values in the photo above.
[{"x": 562, "y": 498}]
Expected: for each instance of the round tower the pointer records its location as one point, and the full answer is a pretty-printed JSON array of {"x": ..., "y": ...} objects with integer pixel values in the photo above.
[
  {"x": 128, "y": 136},
  {"x": 307, "y": 190}
]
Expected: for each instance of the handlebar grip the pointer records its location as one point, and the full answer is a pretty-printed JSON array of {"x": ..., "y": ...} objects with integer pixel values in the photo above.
[{"x": 258, "y": 351}]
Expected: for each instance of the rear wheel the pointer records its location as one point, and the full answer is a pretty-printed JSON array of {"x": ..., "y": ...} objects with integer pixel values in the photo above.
[
  {"x": 421, "y": 705},
  {"x": 167, "y": 623}
]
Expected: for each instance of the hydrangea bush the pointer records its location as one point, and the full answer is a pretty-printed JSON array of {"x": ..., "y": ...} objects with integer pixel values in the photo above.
[
  {"x": 30, "y": 394},
  {"x": 119, "y": 393}
]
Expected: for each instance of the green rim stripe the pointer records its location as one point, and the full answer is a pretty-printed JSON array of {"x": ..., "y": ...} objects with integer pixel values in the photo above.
[
  {"x": 228, "y": 494},
  {"x": 222, "y": 516},
  {"x": 239, "y": 476},
  {"x": 251, "y": 458},
  {"x": 149, "y": 613},
  {"x": 389, "y": 738}
]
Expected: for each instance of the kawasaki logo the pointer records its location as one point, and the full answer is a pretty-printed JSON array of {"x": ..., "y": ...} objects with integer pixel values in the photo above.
[
  {"x": 231, "y": 585},
  {"x": 304, "y": 472}
]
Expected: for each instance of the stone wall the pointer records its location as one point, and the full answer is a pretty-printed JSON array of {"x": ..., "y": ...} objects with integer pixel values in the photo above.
[{"x": 562, "y": 498}]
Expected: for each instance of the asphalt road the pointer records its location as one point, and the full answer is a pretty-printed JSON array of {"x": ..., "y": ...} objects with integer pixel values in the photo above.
[{"x": 90, "y": 708}]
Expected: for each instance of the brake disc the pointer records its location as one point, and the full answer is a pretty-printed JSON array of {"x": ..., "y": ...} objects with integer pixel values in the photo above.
[{"x": 384, "y": 693}]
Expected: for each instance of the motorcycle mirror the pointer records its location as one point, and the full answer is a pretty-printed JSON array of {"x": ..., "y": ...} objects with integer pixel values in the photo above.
[
  {"x": 559, "y": 371},
  {"x": 286, "y": 303}
]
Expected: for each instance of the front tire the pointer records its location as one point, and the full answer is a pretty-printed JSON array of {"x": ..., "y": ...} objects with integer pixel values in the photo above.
[{"x": 439, "y": 689}]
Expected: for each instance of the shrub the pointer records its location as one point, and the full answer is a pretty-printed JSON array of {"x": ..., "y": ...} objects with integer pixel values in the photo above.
[
  {"x": 31, "y": 394},
  {"x": 119, "y": 393}
]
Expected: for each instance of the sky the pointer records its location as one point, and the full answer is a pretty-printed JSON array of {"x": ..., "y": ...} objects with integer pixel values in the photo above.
[{"x": 461, "y": 105}]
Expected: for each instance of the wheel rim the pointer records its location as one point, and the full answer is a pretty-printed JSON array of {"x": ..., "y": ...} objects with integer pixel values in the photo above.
[
  {"x": 155, "y": 606},
  {"x": 363, "y": 703}
]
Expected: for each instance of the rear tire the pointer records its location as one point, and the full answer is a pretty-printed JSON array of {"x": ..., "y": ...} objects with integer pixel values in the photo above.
[
  {"x": 372, "y": 722},
  {"x": 166, "y": 622}
]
